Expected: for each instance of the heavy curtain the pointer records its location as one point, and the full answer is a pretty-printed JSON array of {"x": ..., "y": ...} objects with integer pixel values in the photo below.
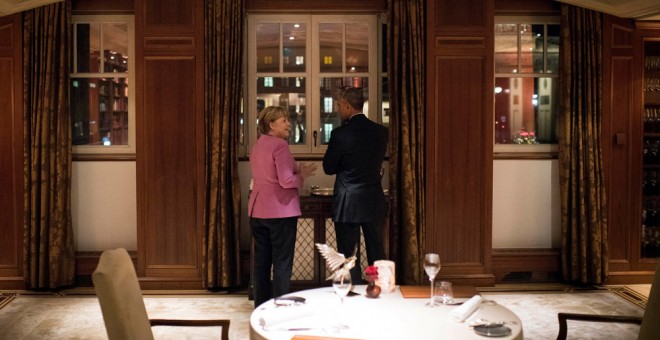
[
  {"x": 406, "y": 73},
  {"x": 582, "y": 186},
  {"x": 223, "y": 25},
  {"x": 49, "y": 250}
]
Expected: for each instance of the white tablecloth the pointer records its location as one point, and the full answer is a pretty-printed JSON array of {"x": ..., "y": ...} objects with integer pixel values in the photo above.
[{"x": 388, "y": 317}]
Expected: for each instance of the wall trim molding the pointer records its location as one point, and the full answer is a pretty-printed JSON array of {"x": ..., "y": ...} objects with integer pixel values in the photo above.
[
  {"x": 86, "y": 262},
  {"x": 538, "y": 262}
]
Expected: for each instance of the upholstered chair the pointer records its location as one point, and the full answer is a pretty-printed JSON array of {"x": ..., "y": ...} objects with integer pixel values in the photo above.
[
  {"x": 120, "y": 297},
  {"x": 650, "y": 322}
]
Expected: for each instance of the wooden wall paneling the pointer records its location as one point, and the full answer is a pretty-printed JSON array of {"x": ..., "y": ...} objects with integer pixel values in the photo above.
[
  {"x": 620, "y": 170},
  {"x": 170, "y": 163},
  {"x": 623, "y": 131},
  {"x": 316, "y": 6},
  {"x": 86, "y": 263},
  {"x": 11, "y": 149},
  {"x": 170, "y": 127},
  {"x": 169, "y": 13},
  {"x": 461, "y": 18},
  {"x": 619, "y": 155},
  {"x": 459, "y": 139},
  {"x": 103, "y": 6},
  {"x": 171, "y": 17},
  {"x": 459, "y": 136},
  {"x": 527, "y": 7},
  {"x": 540, "y": 264},
  {"x": 463, "y": 172},
  {"x": 644, "y": 32}
]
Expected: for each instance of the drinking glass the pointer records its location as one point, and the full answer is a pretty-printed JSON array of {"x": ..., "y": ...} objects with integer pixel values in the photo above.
[
  {"x": 342, "y": 284},
  {"x": 444, "y": 293},
  {"x": 432, "y": 267}
]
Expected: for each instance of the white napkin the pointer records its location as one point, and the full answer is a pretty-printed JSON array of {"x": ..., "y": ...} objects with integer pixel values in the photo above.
[
  {"x": 274, "y": 316},
  {"x": 461, "y": 313}
]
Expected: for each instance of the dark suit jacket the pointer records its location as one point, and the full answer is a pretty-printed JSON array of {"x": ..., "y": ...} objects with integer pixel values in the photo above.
[{"x": 355, "y": 154}]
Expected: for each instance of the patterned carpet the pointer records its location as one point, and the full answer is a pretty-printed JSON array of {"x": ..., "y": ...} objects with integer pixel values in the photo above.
[
  {"x": 631, "y": 294},
  {"x": 78, "y": 316},
  {"x": 40, "y": 316},
  {"x": 538, "y": 313},
  {"x": 6, "y": 298}
]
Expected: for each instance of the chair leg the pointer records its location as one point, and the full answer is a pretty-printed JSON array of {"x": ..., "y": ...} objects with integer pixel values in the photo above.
[{"x": 563, "y": 327}]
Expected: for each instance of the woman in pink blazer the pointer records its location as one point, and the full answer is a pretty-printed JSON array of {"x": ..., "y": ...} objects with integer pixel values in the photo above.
[{"x": 274, "y": 204}]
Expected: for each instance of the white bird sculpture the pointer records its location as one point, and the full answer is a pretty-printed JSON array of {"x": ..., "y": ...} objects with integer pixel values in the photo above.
[{"x": 337, "y": 263}]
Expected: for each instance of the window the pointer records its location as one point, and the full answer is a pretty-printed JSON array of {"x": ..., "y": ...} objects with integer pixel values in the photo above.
[
  {"x": 300, "y": 61},
  {"x": 526, "y": 79},
  {"x": 102, "y": 104}
]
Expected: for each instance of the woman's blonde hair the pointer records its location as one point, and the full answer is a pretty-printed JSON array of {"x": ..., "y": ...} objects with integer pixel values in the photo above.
[{"x": 267, "y": 116}]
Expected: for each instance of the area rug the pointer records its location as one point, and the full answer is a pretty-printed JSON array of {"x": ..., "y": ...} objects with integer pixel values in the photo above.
[
  {"x": 538, "y": 313},
  {"x": 6, "y": 298},
  {"x": 631, "y": 295},
  {"x": 41, "y": 316},
  {"x": 57, "y": 317}
]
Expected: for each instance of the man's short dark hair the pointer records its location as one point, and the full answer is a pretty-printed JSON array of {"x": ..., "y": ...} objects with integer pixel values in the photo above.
[{"x": 353, "y": 96}]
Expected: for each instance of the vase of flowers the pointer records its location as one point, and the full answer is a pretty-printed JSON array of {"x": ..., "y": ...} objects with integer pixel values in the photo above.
[
  {"x": 373, "y": 289},
  {"x": 525, "y": 137}
]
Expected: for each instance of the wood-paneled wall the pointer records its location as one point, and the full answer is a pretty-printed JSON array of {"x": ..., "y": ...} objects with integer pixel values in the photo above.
[
  {"x": 623, "y": 138},
  {"x": 459, "y": 138},
  {"x": 352, "y": 6},
  {"x": 169, "y": 92},
  {"x": 11, "y": 151},
  {"x": 170, "y": 128},
  {"x": 620, "y": 134}
]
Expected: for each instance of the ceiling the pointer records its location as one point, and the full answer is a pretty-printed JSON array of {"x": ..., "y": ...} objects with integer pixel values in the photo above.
[
  {"x": 641, "y": 10},
  {"x": 13, "y": 6},
  {"x": 636, "y": 9}
]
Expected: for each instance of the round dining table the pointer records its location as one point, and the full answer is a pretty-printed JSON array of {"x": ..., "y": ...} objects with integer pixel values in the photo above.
[{"x": 323, "y": 315}]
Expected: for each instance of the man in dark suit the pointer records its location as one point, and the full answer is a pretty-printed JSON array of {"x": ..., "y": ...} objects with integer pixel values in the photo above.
[{"x": 355, "y": 155}]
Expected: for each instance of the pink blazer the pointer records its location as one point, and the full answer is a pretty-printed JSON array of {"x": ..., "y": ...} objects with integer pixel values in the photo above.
[{"x": 276, "y": 180}]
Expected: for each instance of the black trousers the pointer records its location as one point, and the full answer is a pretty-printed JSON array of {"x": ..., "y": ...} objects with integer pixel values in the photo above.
[
  {"x": 348, "y": 238},
  {"x": 274, "y": 244}
]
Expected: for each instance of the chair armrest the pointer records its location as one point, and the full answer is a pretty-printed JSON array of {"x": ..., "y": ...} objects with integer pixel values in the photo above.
[
  {"x": 194, "y": 323},
  {"x": 563, "y": 317}
]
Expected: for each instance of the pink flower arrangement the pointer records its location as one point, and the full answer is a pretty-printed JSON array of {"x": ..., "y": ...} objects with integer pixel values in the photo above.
[
  {"x": 371, "y": 272},
  {"x": 525, "y": 137}
]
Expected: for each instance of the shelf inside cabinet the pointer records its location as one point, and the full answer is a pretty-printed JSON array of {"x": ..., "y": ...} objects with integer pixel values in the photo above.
[
  {"x": 651, "y": 99},
  {"x": 651, "y": 197}
]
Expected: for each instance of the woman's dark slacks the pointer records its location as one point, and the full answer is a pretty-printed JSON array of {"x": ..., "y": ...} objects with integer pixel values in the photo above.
[{"x": 274, "y": 244}]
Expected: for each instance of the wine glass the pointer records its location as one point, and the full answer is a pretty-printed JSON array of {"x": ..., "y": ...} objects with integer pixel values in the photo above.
[
  {"x": 432, "y": 267},
  {"x": 341, "y": 282}
]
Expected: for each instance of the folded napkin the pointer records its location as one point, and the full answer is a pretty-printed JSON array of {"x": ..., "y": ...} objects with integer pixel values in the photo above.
[
  {"x": 275, "y": 316},
  {"x": 461, "y": 313}
]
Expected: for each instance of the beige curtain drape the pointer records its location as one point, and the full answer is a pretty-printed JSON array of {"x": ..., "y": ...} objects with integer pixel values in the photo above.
[
  {"x": 406, "y": 73},
  {"x": 49, "y": 250},
  {"x": 582, "y": 185},
  {"x": 223, "y": 21}
]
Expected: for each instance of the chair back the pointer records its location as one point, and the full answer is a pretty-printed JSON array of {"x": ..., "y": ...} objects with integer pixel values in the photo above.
[
  {"x": 120, "y": 297},
  {"x": 650, "y": 328}
]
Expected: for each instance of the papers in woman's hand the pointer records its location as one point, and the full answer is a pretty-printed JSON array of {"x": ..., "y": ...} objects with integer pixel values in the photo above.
[
  {"x": 468, "y": 307},
  {"x": 275, "y": 316}
]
